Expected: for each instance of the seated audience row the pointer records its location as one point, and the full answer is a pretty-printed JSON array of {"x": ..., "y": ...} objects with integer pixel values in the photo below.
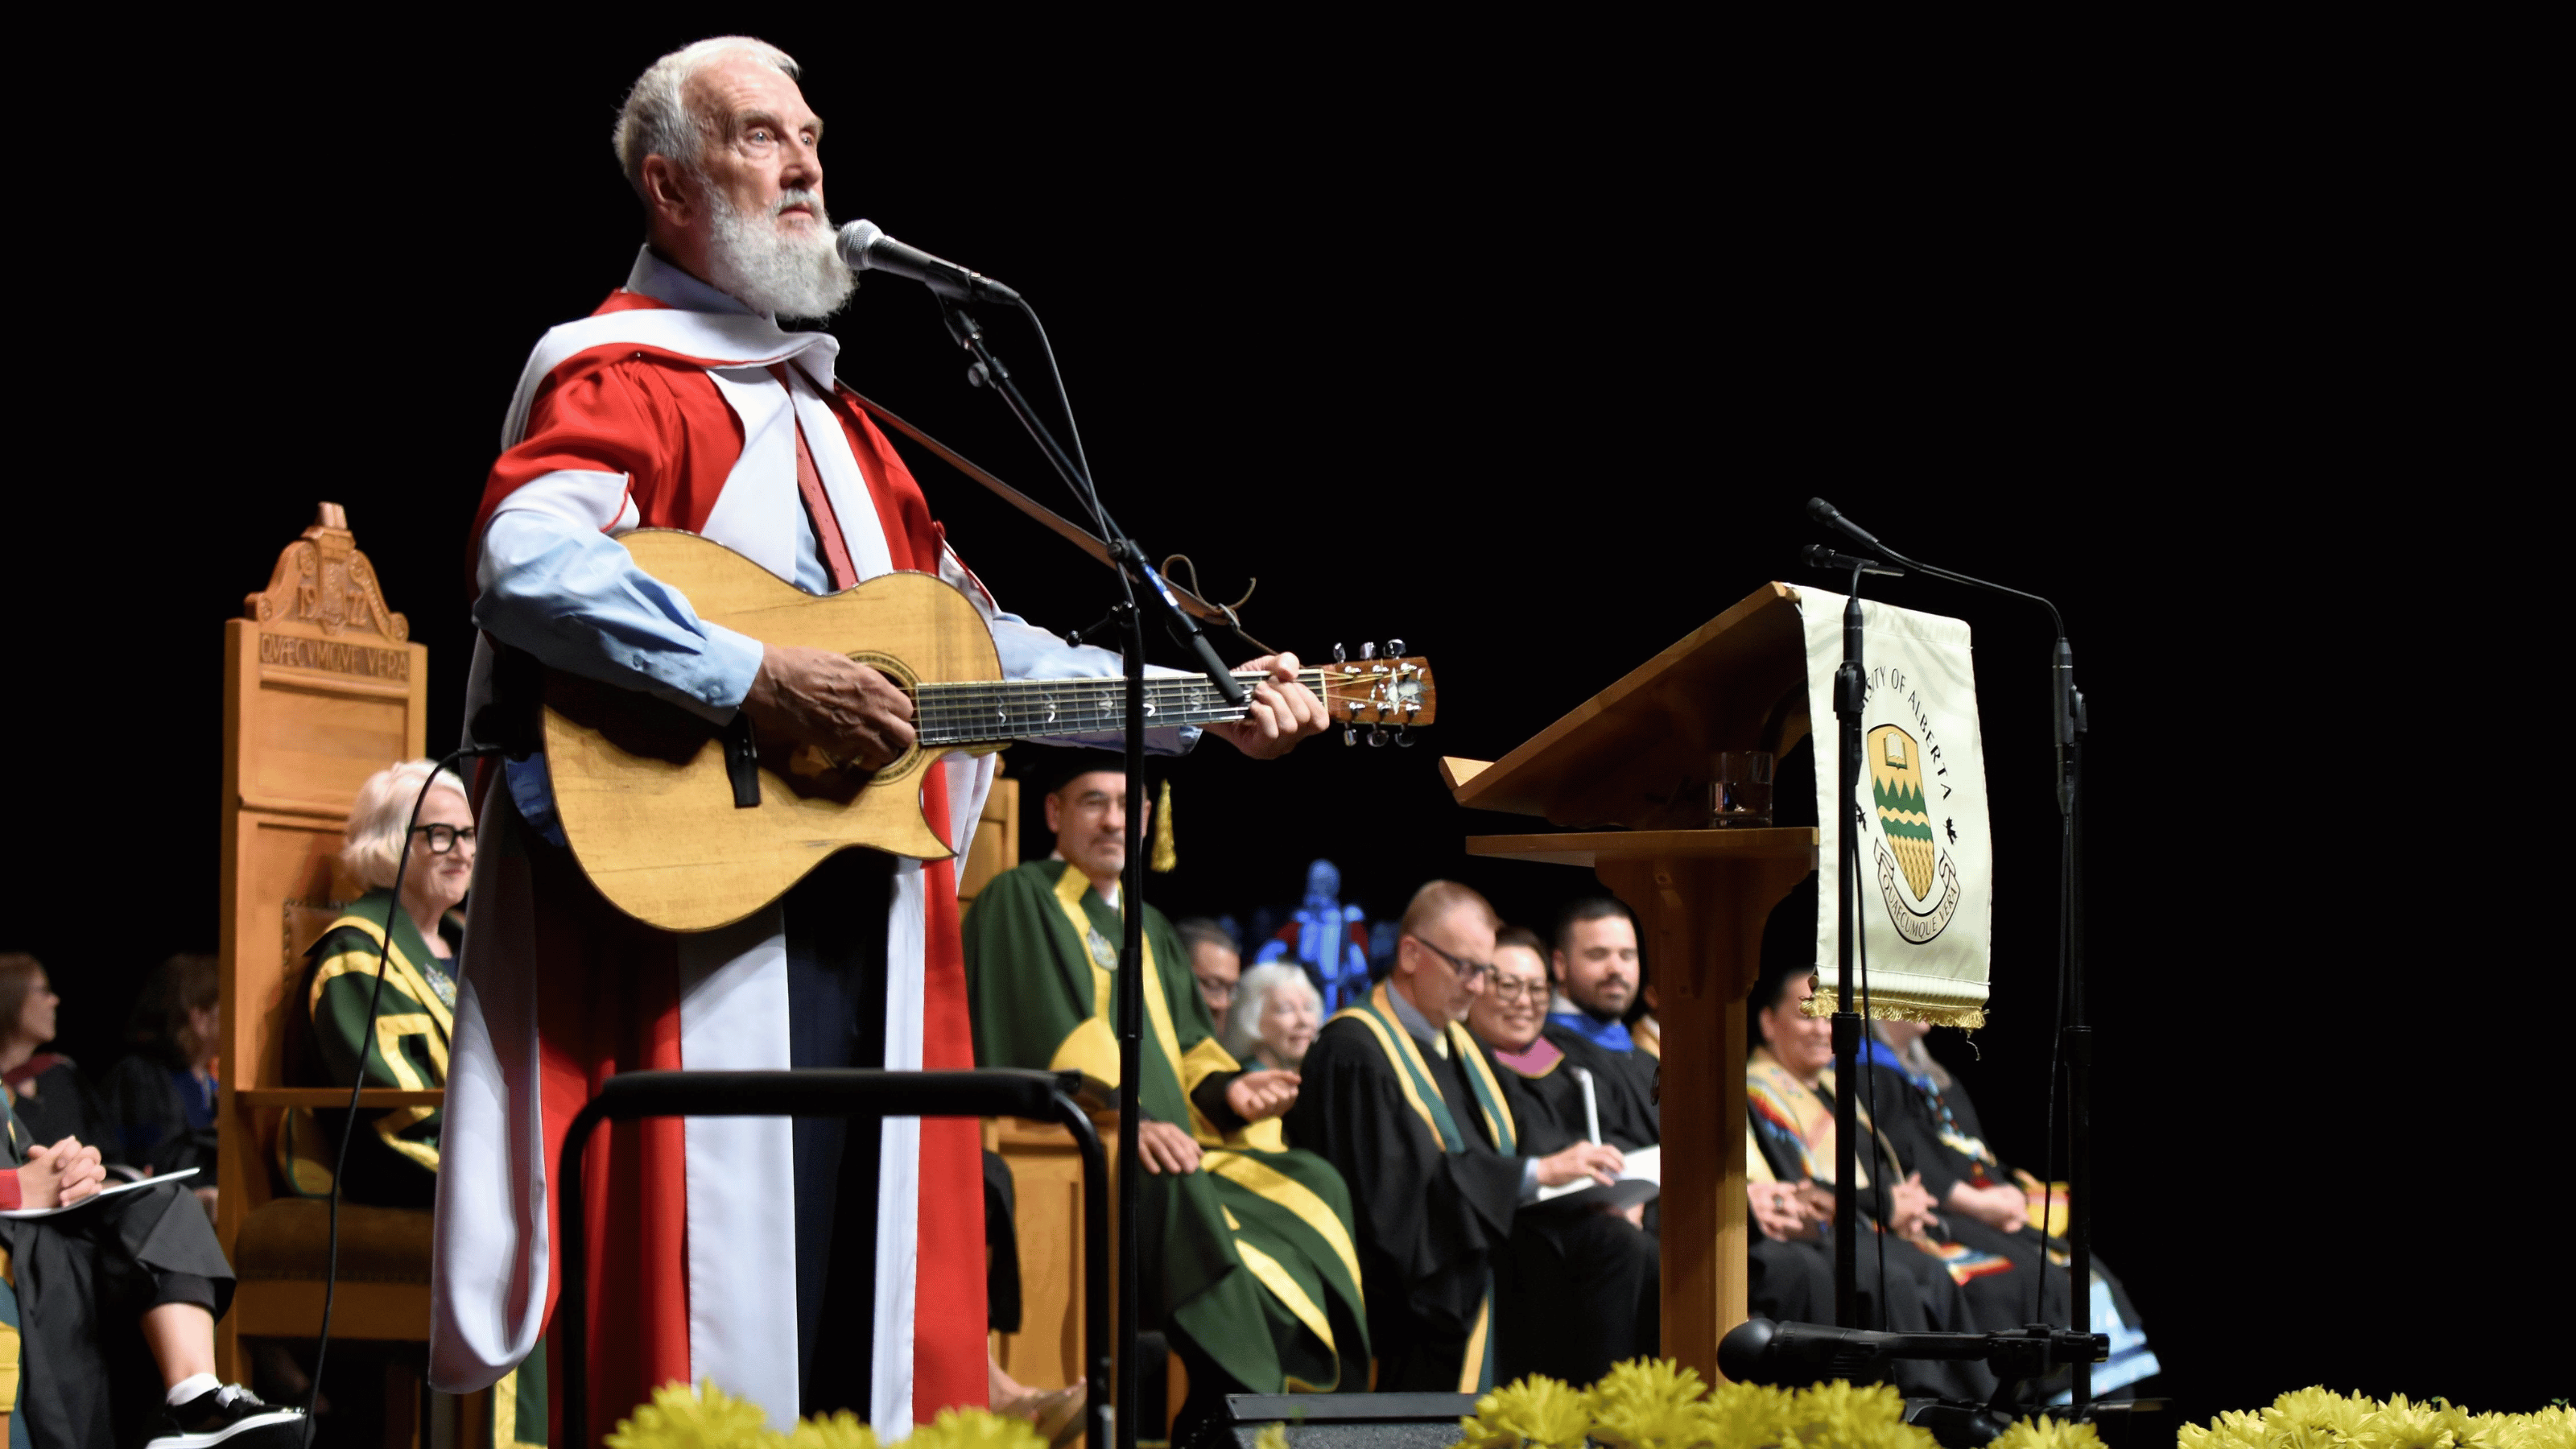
[
  {"x": 1562, "y": 1053},
  {"x": 1945, "y": 1228},
  {"x": 156, "y": 1112},
  {"x": 114, "y": 1297}
]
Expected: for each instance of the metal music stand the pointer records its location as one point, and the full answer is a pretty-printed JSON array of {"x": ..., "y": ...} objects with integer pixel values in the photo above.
[{"x": 1035, "y": 1096}]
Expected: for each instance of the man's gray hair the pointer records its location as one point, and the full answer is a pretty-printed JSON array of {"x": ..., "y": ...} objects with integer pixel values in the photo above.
[{"x": 656, "y": 119}]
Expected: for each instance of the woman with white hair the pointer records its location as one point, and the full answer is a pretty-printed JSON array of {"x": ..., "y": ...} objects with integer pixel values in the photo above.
[
  {"x": 1275, "y": 1016},
  {"x": 394, "y": 1162}
]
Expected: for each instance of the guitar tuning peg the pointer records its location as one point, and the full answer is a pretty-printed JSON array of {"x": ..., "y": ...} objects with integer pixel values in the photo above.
[
  {"x": 1368, "y": 651},
  {"x": 1394, "y": 647},
  {"x": 1403, "y": 738},
  {"x": 1377, "y": 736},
  {"x": 1350, "y": 736},
  {"x": 1338, "y": 655}
]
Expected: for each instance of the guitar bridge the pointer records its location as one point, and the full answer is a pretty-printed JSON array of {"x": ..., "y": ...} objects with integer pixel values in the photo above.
[{"x": 742, "y": 761}]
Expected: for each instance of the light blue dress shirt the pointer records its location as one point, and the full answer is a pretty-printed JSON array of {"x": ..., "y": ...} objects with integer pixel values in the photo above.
[{"x": 573, "y": 597}]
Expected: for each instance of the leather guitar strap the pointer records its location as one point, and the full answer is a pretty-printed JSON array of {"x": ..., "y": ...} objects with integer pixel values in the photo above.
[{"x": 1056, "y": 523}]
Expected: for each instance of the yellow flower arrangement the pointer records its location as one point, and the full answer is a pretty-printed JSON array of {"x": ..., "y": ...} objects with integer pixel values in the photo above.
[
  {"x": 1657, "y": 1404},
  {"x": 1650, "y": 1404},
  {"x": 1538, "y": 1411},
  {"x": 1749, "y": 1416},
  {"x": 2318, "y": 1418},
  {"x": 2047, "y": 1433},
  {"x": 679, "y": 1417},
  {"x": 843, "y": 1430}
]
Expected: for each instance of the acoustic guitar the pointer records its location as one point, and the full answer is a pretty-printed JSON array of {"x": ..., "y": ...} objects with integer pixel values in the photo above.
[{"x": 689, "y": 826}]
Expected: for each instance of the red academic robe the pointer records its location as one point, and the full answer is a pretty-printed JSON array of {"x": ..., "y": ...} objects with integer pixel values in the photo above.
[{"x": 567, "y": 992}]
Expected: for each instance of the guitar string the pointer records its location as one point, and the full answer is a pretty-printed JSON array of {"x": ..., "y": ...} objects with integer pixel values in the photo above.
[
  {"x": 950, "y": 712},
  {"x": 937, "y": 700},
  {"x": 983, "y": 694},
  {"x": 947, "y": 699}
]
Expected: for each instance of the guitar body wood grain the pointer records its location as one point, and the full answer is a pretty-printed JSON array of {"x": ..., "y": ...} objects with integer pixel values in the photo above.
[{"x": 641, "y": 786}]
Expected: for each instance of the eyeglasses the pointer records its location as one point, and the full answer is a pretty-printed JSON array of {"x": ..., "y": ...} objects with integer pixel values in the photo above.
[
  {"x": 444, "y": 838},
  {"x": 1469, "y": 972},
  {"x": 1217, "y": 991},
  {"x": 1510, "y": 991}
]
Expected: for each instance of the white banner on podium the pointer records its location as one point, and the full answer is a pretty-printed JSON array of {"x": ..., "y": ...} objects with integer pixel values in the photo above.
[{"x": 1926, "y": 850}]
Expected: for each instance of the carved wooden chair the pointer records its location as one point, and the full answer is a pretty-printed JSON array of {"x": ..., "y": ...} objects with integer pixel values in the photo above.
[{"x": 322, "y": 688}]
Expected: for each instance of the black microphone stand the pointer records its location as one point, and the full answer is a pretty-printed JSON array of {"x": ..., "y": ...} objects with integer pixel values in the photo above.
[
  {"x": 1851, "y": 688},
  {"x": 988, "y": 371},
  {"x": 2075, "y": 1032}
]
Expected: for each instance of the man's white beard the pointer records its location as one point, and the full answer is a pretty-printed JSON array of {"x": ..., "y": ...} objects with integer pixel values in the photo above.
[{"x": 790, "y": 274}]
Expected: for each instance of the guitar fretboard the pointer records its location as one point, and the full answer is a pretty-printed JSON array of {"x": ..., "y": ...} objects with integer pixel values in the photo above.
[{"x": 1029, "y": 709}]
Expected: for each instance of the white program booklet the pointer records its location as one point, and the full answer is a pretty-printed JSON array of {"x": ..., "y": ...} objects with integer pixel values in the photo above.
[
  {"x": 1643, "y": 1179},
  {"x": 164, "y": 1180}
]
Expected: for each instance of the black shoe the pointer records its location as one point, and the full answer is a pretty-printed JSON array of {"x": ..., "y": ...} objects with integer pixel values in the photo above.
[{"x": 233, "y": 1416}]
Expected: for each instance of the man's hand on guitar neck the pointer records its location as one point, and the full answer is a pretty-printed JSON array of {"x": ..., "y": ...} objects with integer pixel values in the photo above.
[
  {"x": 1284, "y": 713},
  {"x": 843, "y": 708}
]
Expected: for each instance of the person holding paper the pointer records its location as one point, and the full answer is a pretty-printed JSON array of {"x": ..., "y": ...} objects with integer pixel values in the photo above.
[
  {"x": 1584, "y": 1287},
  {"x": 108, "y": 1284}
]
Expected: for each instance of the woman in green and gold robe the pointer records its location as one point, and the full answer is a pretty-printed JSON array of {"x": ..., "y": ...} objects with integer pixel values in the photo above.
[
  {"x": 394, "y": 1161},
  {"x": 393, "y": 1157},
  {"x": 1249, "y": 1262}
]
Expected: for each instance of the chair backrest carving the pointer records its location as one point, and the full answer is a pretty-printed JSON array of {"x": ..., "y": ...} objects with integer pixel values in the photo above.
[{"x": 322, "y": 688}]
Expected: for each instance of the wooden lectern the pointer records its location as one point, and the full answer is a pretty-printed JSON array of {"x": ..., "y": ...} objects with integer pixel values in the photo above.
[{"x": 1638, "y": 758}]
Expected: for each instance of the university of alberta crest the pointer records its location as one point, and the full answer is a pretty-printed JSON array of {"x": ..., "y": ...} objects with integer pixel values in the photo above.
[{"x": 1917, "y": 877}]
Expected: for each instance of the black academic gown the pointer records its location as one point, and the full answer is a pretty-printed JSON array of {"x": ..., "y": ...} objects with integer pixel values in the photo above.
[
  {"x": 1938, "y": 1136},
  {"x": 1790, "y": 1282},
  {"x": 1582, "y": 1289},
  {"x": 1900, "y": 1290},
  {"x": 84, "y": 1278},
  {"x": 1432, "y": 1224},
  {"x": 1623, "y": 1086}
]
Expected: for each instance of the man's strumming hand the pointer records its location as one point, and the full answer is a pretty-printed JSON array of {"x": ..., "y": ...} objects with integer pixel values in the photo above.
[
  {"x": 1257, "y": 1095},
  {"x": 60, "y": 1175},
  {"x": 1598, "y": 1161},
  {"x": 843, "y": 708},
  {"x": 1284, "y": 713},
  {"x": 1162, "y": 1147}
]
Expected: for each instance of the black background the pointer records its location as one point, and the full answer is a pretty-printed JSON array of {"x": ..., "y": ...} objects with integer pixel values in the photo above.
[{"x": 1526, "y": 352}]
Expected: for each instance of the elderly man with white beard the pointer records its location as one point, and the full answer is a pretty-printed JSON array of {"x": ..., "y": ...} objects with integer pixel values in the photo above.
[{"x": 806, "y": 1266}]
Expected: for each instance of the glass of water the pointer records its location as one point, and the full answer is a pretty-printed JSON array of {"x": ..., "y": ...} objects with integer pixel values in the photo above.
[{"x": 1741, "y": 795}]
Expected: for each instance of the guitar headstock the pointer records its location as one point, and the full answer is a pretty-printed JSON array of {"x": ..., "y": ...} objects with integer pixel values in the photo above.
[{"x": 1379, "y": 692}]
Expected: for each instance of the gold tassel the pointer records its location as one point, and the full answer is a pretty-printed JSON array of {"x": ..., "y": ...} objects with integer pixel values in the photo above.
[{"x": 1165, "y": 856}]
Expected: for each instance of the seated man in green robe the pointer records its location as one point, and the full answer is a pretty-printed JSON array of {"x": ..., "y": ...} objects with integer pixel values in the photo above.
[{"x": 1249, "y": 1265}]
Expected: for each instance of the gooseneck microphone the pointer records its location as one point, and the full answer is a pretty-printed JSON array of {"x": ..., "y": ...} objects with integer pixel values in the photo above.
[
  {"x": 867, "y": 248},
  {"x": 1818, "y": 556},
  {"x": 1817, "y": 509}
]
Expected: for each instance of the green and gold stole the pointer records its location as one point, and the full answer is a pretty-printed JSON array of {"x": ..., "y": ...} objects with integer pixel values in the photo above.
[{"x": 1422, "y": 1094}]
